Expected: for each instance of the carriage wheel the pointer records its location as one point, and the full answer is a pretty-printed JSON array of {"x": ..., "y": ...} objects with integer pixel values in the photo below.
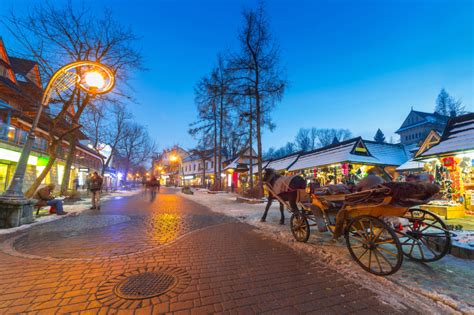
[
  {"x": 374, "y": 245},
  {"x": 299, "y": 227},
  {"x": 426, "y": 237}
]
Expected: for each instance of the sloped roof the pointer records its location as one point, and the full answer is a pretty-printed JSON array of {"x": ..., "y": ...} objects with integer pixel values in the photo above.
[
  {"x": 283, "y": 163},
  {"x": 410, "y": 165},
  {"x": 428, "y": 118},
  {"x": 457, "y": 137},
  {"x": 387, "y": 153},
  {"x": 21, "y": 66},
  {"x": 255, "y": 166},
  {"x": 378, "y": 153}
]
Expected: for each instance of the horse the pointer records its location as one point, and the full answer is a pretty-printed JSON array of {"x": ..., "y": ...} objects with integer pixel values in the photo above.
[{"x": 286, "y": 188}]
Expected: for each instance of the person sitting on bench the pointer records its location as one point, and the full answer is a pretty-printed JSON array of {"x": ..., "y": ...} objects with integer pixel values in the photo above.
[{"x": 45, "y": 197}]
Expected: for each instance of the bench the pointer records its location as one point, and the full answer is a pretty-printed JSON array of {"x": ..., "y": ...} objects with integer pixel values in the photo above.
[{"x": 52, "y": 209}]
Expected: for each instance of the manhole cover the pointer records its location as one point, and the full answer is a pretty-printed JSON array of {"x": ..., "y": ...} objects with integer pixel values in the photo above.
[{"x": 145, "y": 285}]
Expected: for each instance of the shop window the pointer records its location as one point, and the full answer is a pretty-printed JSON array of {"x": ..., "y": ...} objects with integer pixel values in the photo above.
[
  {"x": 47, "y": 179},
  {"x": 3, "y": 177},
  {"x": 60, "y": 174}
]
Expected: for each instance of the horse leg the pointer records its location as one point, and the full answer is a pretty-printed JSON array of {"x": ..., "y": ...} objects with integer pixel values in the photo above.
[
  {"x": 269, "y": 203},
  {"x": 282, "y": 211},
  {"x": 292, "y": 201}
]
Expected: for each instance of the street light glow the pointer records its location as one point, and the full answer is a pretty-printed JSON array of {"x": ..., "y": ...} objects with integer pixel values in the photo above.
[
  {"x": 173, "y": 158},
  {"x": 94, "y": 80}
]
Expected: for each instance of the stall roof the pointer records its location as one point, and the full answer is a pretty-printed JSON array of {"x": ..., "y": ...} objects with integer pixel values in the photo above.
[
  {"x": 255, "y": 166},
  {"x": 410, "y": 165},
  {"x": 457, "y": 137},
  {"x": 283, "y": 163},
  {"x": 387, "y": 153},
  {"x": 347, "y": 151}
]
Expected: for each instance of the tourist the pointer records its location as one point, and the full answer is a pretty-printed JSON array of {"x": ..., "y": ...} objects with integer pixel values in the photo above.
[
  {"x": 96, "y": 188},
  {"x": 45, "y": 197}
]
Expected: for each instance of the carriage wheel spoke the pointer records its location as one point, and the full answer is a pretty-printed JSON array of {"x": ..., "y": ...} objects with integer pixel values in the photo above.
[
  {"x": 370, "y": 258},
  {"x": 385, "y": 258},
  {"x": 429, "y": 248},
  {"x": 372, "y": 235},
  {"x": 387, "y": 251},
  {"x": 363, "y": 229},
  {"x": 378, "y": 261},
  {"x": 390, "y": 241},
  {"x": 363, "y": 254}
]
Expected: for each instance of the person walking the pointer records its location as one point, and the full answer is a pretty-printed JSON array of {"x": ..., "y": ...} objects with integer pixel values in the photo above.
[
  {"x": 96, "y": 188},
  {"x": 154, "y": 186}
]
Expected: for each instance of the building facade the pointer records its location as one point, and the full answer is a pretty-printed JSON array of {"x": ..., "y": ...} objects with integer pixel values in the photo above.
[
  {"x": 20, "y": 94},
  {"x": 418, "y": 125},
  {"x": 199, "y": 169}
]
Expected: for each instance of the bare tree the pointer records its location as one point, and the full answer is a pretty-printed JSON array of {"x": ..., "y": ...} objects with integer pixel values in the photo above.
[
  {"x": 105, "y": 126},
  {"x": 213, "y": 99},
  {"x": 135, "y": 147},
  {"x": 303, "y": 140},
  {"x": 257, "y": 67},
  {"x": 56, "y": 35},
  {"x": 327, "y": 136}
]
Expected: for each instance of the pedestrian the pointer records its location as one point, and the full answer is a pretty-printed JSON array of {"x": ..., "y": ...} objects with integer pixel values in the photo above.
[
  {"x": 96, "y": 188},
  {"x": 88, "y": 183},
  {"x": 154, "y": 185},
  {"x": 44, "y": 196},
  {"x": 76, "y": 183}
]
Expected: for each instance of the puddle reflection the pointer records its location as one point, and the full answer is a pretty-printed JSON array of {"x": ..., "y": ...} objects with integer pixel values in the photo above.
[{"x": 165, "y": 227}]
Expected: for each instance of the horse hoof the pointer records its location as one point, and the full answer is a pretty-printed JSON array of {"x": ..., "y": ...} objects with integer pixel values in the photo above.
[
  {"x": 262, "y": 220},
  {"x": 282, "y": 222}
]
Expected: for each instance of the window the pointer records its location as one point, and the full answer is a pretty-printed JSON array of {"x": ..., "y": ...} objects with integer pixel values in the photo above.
[{"x": 194, "y": 167}]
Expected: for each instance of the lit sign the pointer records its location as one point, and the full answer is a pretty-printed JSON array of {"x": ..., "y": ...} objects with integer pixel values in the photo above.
[
  {"x": 15, "y": 156},
  {"x": 84, "y": 170},
  {"x": 188, "y": 177}
]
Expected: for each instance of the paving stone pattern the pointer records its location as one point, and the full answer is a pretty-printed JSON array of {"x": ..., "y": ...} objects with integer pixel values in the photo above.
[{"x": 224, "y": 267}]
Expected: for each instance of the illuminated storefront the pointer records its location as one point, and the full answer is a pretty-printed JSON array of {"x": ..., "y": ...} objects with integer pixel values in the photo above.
[
  {"x": 349, "y": 161},
  {"x": 451, "y": 165}
]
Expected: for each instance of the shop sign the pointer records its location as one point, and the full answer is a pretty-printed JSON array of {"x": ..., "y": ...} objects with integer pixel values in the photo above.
[
  {"x": 188, "y": 177},
  {"x": 85, "y": 170},
  {"x": 14, "y": 156}
]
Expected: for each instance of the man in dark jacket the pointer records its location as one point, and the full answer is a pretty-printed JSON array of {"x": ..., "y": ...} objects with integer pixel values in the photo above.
[
  {"x": 45, "y": 197},
  {"x": 96, "y": 188}
]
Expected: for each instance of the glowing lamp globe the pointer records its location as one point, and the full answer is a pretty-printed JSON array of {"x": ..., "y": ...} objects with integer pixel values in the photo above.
[{"x": 94, "y": 80}]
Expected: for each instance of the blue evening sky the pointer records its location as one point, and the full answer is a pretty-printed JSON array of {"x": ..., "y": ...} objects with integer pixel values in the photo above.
[{"x": 359, "y": 65}]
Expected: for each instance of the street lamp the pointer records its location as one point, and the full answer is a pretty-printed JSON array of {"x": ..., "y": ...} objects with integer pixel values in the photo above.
[{"x": 90, "y": 76}]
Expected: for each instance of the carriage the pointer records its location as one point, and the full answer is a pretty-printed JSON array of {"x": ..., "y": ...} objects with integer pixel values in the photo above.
[{"x": 378, "y": 230}]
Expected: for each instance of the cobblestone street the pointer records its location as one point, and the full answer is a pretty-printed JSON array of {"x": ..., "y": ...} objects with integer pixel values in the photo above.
[{"x": 98, "y": 263}]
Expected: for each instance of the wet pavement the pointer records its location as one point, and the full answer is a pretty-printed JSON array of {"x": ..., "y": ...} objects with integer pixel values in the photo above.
[{"x": 211, "y": 263}]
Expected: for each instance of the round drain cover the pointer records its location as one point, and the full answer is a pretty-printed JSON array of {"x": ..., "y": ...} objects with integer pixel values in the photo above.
[{"x": 145, "y": 285}]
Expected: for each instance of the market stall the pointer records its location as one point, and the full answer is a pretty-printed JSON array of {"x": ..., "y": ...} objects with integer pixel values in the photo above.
[
  {"x": 451, "y": 163},
  {"x": 349, "y": 161}
]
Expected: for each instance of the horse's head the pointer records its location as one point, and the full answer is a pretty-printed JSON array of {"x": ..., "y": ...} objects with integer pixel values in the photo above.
[{"x": 270, "y": 176}]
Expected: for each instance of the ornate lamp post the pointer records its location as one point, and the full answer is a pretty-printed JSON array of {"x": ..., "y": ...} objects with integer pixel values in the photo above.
[{"x": 91, "y": 77}]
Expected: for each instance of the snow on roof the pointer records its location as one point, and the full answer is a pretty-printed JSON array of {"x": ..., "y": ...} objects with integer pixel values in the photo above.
[
  {"x": 387, "y": 153},
  {"x": 255, "y": 166},
  {"x": 410, "y": 165},
  {"x": 457, "y": 137},
  {"x": 283, "y": 163},
  {"x": 378, "y": 153}
]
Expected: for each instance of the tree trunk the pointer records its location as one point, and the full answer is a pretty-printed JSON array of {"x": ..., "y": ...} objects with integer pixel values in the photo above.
[
  {"x": 221, "y": 123},
  {"x": 67, "y": 168},
  {"x": 52, "y": 158},
  {"x": 217, "y": 177},
  {"x": 251, "y": 142},
  {"x": 203, "y": 181}
]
